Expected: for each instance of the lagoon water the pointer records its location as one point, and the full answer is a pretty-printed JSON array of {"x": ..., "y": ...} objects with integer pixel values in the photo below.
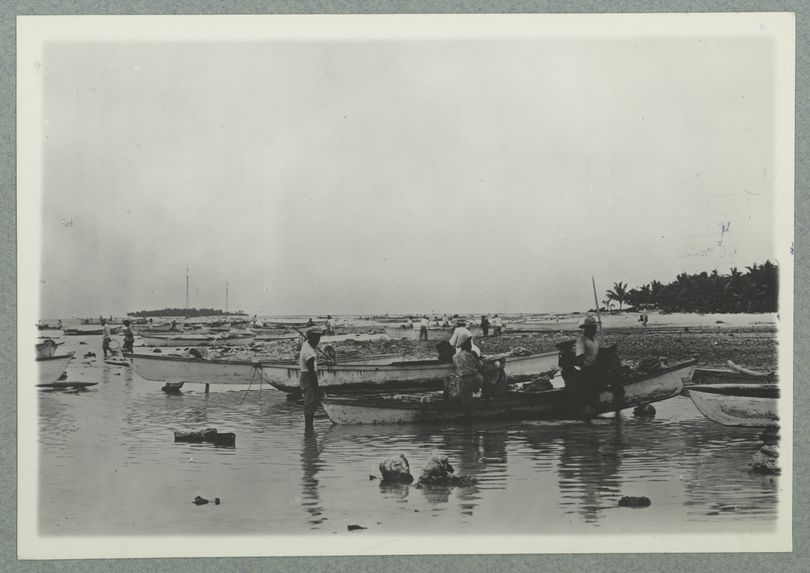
[{"x": 109, "y": 466}]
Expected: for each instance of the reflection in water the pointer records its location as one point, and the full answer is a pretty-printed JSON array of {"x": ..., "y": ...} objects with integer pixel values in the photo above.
[
  {"x": 589, "y": 467},
  {"x": 311, "y": 465}
]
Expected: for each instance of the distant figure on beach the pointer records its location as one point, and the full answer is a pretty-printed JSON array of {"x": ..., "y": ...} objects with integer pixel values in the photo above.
[
  {"x": 485, "y": 325},
  {"x": 329, "y": 325},
  {"x": 308, "y": 364},
  {"x": 497, "y": 324},
  {"x": 644, "y": 318},
  {"x": 310, "y": 324},
  {"x": 444, "y": 321},
  {"x": 424, "y": 325},
  {"x": 105, "y": 338},
  {"x": 129, "y": 338},
  {"x": 409, "y": 323},
  {"x": 468, "y": 370},
  {"x": 59, "y": 324},
  {"x": 174, "y": 325}
]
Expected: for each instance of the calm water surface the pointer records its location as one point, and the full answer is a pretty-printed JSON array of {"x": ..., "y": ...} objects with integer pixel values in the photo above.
[{"x": 109, "y": 465}]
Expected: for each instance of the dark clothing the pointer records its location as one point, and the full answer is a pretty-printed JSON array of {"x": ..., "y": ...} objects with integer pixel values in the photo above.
[
  {"x": 469, "y": 384},
  {"x": 498, "y": 330},
  {"x": 485, "y": 326},
  {"x": 309, "y": 387},
  {"x": 423, "y": 333}
]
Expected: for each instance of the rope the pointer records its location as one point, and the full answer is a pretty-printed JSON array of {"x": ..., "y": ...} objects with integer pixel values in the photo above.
[{"x": 255, "y": 367}]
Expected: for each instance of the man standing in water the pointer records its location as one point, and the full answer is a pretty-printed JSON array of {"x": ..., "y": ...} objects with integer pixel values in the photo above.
[
  {"x": 105, "y": 338},
  {"x": 586, "y": 351},
  {"x": 308, "y": 363}
]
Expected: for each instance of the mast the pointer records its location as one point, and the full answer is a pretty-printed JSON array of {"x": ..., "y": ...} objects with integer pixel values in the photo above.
[
  {"x": 226, "y": 297},
  {"x": 186, "y": 289}
]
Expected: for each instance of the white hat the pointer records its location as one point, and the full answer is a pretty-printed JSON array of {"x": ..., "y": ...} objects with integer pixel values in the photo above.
[{"x": 462, "y": 338}]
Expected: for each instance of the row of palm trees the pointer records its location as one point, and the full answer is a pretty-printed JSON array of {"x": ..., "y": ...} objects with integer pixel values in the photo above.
[{"x": 755, "y": 290}]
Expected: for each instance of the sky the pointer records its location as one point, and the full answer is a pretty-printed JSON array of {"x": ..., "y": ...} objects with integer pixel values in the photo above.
[{"x": 366, "y": 177}]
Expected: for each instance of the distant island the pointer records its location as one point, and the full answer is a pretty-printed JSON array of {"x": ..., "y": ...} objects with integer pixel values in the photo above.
[{"x": 187, "y": 312}]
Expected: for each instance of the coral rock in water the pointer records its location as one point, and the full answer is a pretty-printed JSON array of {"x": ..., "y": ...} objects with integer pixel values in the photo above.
[
  {"x": 631, "y": 501},
  {"x": 644, "y": 411},
  {"x": 766, "y": 461},
  {"x": 396, "y": 470}
]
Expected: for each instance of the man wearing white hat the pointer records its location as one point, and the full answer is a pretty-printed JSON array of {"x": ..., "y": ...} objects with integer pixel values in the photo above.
[
  {"x": 460, "y": 334},
  {"x": 587, "y": 346},
  {"x": 308, "y": 364},
  {"x": 586, "y": 351}
]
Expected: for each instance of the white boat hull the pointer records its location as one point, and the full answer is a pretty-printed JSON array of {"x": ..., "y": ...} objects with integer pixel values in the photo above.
[
  {"x": 51, "y": 368},
  {"x": 737, "y": 405},
  {"x": 195, "y": 340},
  {"x": 343, "y": 377}
]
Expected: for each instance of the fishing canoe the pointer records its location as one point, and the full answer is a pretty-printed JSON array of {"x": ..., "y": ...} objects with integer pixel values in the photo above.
[
  {"x": 89, "y": 331},
  {"x": 66, "y": 385},
  {"x": 549, "y": 404},
  {"x": 178, "y": 340},
  {"x": 753, "y": 405},
  {"x": 729, "y": 376},
  {"x": 47, "y": 348},
  {"x": 348, "y": 377},
  {"x": 52, "y": 367}
]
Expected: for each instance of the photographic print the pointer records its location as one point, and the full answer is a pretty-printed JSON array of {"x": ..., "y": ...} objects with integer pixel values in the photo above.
[{"x": 307, "y": 285}]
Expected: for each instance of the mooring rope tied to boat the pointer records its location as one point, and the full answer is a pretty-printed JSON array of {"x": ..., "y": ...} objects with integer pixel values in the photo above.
[{"x": 256, "y": 366}]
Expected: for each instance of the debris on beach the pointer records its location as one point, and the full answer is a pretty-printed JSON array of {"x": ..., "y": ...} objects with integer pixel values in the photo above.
[
  {"x": 396, "y": 470},
  {"x": 199, "y": 500},
  {"x": 632, "y": 501},
  {"x": 355, "y": 527},
  {"x": 209, "y": 435}
]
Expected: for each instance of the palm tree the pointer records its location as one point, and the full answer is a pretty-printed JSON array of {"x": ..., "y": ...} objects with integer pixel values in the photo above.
[{"x": 618, "y": 293}]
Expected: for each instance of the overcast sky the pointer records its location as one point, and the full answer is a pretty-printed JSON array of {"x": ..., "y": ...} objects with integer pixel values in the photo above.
[{"x": 371, "y": 177}]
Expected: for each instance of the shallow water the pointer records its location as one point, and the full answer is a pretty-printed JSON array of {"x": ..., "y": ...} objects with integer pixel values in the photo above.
[{"x": 109, "y": 465}]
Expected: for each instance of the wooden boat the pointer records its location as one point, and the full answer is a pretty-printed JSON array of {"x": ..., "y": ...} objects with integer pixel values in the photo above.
[
  {"x": 732, "y": 375},
  {"x": 753, "y": 405},
  {"x": 160, "y": 328},
  {"x": 549, "y": 404},
  {"x": 178, "y": 340},
  {"x": 52, "y": 367},
  {"x": 47, "y": 348},
  {"x": 46, "y": 326},
  {"x": 66, "y": 384},
  {"x": 89, "y": 331},
  {"x": 415, "y": 374}
]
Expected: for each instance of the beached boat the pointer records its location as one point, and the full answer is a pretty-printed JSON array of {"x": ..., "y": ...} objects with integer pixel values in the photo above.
[
  {"x": 754, "y": 405},
  {"x": 52, "y": 367},
  {"x": 89, "y": 331},
  {"x": 732, "y": 375},
  {"x": 46, "y": 326},
  {"x": 178, "y": 340},
  {"x": 348, "y": 377},
  {"x": 47, "y": 348},
  {"x": 549, "y": 404}
]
